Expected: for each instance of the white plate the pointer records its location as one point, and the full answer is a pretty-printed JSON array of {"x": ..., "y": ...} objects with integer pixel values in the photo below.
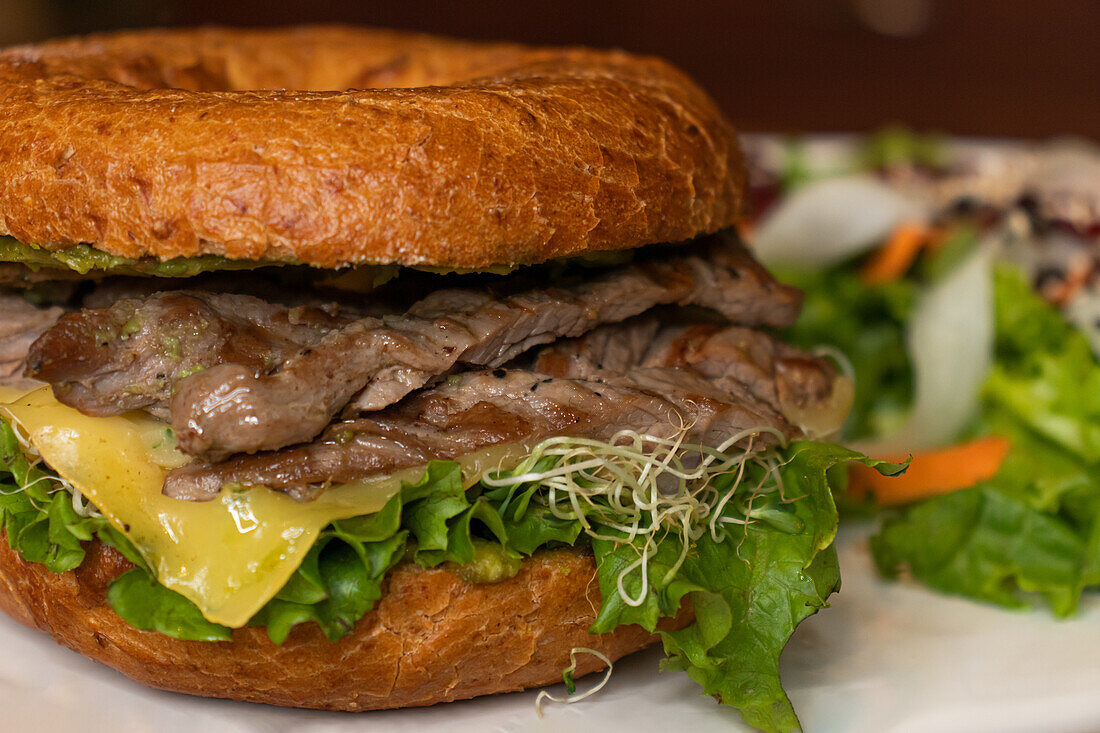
[{"x": 886, "y": 657}]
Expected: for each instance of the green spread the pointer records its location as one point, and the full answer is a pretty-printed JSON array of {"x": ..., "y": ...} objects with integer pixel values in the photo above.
[
  {"x": 84, "y": 259},
  {"x": 490, "y": 565}
]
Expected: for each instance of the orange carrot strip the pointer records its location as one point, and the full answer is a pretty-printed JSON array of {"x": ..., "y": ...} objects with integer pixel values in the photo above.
[
  {"x": 895, "y": 257},
  {"x": 745, "y": 227},
  {"x": 932, "y": 472}
]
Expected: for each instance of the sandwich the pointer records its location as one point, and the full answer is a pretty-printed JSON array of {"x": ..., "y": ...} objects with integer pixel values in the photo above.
[{"x": 352, "y": 369}]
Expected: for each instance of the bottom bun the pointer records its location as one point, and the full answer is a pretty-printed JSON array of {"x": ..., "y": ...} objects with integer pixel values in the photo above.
[{"x": 431, "y": 638}]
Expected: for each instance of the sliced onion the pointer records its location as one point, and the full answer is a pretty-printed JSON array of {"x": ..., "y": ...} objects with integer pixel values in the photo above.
[
  {"x": 828, "y": 221},
  {"x": 950, "y": 343},
  {"x": 822, "y": 420}
]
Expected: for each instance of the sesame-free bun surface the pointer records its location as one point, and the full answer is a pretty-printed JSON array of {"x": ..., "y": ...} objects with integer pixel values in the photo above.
[
  {"x": 431, "y": 638},
  {"x": 338, "y": 145}
]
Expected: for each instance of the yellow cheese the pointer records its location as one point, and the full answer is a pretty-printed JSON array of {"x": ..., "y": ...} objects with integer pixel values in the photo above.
[{"x": 229, "y": 556}]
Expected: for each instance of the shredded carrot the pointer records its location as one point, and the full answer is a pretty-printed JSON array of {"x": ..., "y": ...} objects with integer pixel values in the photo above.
[
  {"x": 745, "y": 227},
  {"x": 932, "y": 472},
  {"x": 895, "y": 257}
]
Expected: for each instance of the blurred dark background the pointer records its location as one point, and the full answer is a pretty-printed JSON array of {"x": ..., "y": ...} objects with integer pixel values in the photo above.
[{"x": 985, "y": 67}]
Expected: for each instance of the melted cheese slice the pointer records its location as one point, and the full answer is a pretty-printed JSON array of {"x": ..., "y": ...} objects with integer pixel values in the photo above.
[{"x": 230, "y": 555}]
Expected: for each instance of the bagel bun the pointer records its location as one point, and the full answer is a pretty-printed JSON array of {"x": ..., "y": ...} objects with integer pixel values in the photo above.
[
  {"x": 428, "y": 640},
  {"x": 333, "y": 146}
]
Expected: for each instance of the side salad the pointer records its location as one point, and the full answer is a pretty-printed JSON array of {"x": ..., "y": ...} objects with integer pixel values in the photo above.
[{"x": 960, "y": 284}]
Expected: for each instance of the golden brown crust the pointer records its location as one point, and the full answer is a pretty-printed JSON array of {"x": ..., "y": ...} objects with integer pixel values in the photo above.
[
  {"x": 431, "y": 638},
  {"x": 491, "y": 154}
]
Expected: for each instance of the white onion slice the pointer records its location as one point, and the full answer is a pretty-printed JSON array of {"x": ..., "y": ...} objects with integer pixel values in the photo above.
[
  {"x": 828, "y": 221},
  {"x": 950, "y": 343}
]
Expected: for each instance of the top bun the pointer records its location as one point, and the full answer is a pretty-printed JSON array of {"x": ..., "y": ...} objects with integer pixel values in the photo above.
[{"x": 333, "y": 146}]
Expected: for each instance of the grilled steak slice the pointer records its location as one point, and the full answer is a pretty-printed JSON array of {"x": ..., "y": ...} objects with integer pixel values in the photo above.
[
  {"x": 131, "y": 355},
  {"x": 248, "y": 375},
  {"x": 774, "y": 372},
  {"x": 480, "y": 409},
  {"x": 20, "y": 324},
  {"x": 235, "y": 409}
]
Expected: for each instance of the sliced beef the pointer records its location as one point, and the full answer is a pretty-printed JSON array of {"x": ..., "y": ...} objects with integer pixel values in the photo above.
[
  {"x": 612, "y": 348},
  {"x": 235, "y": 409},
  {"x": 479, "y": 409},
  {"x": 20, "y": 324},
  {"x": 774, "y": 372},
  {"x": 132, "y": 354},
  {"x": 238, "y": 374}
]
